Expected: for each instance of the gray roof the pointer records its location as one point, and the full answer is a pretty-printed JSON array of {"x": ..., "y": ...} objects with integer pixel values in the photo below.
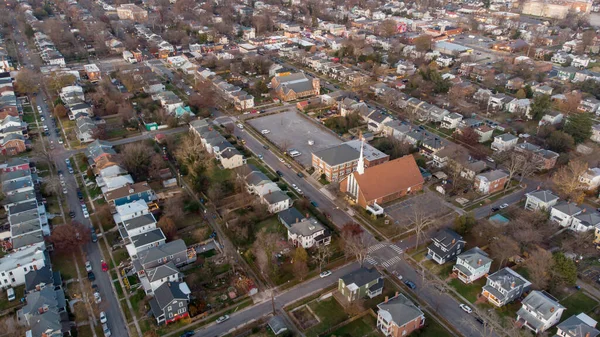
[
  {"x": 162, "y": 271},
  {"x": 545, "y": 196},
  {"x": 337, "y": 155},
  {"x": 568, "y": 208},
  {"x": 369, "y": 152},
  {"x": 230, "y": 153},
  {"x": 257, "y": 178},
  {"x": 473, "y": 257},
  {"x": 447, "y": 237},
  {"x": 148, "y": 237},
  {"x": 22, "y": 207},
  {"x": 506, "y": 276},
  {"x": 27, "y": 239},
  {"x": 139, "y": 221},
  {"x": 542, "y": 304},
  {"x": 43, "y": 275},
  {"x": 12, "y": 175},
  {"x": 361, "y": 277},
  {"x": 160, "y": 252},
  {"x": 589, "y": 219},
  {"x": 574, "y": 326},
  {"x": 306, "y": 227},
  {"x": 494, "y": 175},
  {"x": 506, "y": 137},
  {"x": 289, "y": 216},
  {"x": 98, "y": 147},
  {"x": 275, "y": 197},
  {"x": 399, "y": 309},
  {"x": 297, "y": 82},
  {"x": 277, "y": 325},
  {"x": 165, "y": 294}
]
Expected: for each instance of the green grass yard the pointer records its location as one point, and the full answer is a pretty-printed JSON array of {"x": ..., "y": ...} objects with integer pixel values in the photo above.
[
  {"x": 362, "y": 327},
  {"x": 577, "y": 303},
  {"x": 468, "y": 291},
  {"x": 330, "y": 313}
]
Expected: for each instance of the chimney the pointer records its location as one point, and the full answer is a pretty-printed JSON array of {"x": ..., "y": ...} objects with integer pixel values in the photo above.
[
  {"x": 307, "y": 216},
  {"x": 538, "y": 188},
  {"x": 453, "y": 241},
  {"x": 552, "y": 309},
  {"x": 512, "y": 285},
  {"x": 386, "y": 299},
  {"x": 297, "y": 220},
  {"x": 396, "y": 294},
  {"x": 479, "y": 262},
  {"x": 583, "y": 211}
]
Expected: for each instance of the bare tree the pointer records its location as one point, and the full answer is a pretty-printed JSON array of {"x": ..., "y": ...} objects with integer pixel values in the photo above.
[
  {"x": 539, "y": 264},
  {"x": 421, "y": 220},
  {"x": 322, "y": 255},
  {"x": 356, "y": 242},
  {"x": 502, "y": 248},
  {"x": 567, "y": 180},
  {"x": 27, "y": 81},
  {"x": 173, "y": 208},
  {"x": 136, "y": 158},
  {"x": 512, "y": 163},
  {"x": 264, "y": 249}
]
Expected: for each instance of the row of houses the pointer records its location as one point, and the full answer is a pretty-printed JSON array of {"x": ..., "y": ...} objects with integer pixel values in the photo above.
[
  {"x": 155, "y": 261},
  {"x": 564, "y": 213},
  {"x": 14, "y": 136},
  {"x": 27, "y": 261},
  {"x": 539, "y": 310},
  {"x": 234, "y": 95},
  {"x": 336, "y": 71},
  {"x": 215, "y": 144},
  {"x": 48, "y": 51}
]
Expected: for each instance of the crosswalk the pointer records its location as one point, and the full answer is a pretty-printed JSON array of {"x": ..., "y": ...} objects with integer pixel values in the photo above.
[
  {"x": 376, "y": 247},
  {"x": 391, "y": 261},
  {"x": 375, "y": 259}
]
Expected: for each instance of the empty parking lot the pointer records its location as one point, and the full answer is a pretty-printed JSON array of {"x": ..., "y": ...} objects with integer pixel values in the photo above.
[
  {"x": 289, "y": 130},
  {"x": 402, "y": 214}
]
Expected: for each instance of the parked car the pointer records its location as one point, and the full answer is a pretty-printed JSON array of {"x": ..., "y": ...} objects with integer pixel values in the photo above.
[
  {"x": 91, "y": 276},
  {"x": 314, "y": 203},
  {"x": 103, "y": 317},
  {"x": 222, "y": 319},
  {"x": 279, "y": 173},
  {"x": 10, "y": 293},
  {"x": 106, "y": 330},
  {"x": 465, "y": 308},
  {"x": 72, "y": 214},
  {"x": 97, "y": 297},
  {"x": 266, "y": 147},
  {"x": 300, "y": 174},
  {"x": 325, "y": 273},
  {"x": 104, "y": 265},
  {"x": 88, "y": 266},
  {"x": 94, "y": 237},
  {"x": 503, "y": 206},
  {"x": 495, "y": 209},
  {"x": 410, "y": 284},
  {"x": 187, "y": 334}
]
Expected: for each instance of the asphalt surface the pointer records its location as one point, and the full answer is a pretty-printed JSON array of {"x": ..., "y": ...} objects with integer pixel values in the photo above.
[{"x": 109, "y": 303}]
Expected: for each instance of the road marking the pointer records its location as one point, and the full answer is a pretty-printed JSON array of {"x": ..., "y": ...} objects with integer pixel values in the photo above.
[
  {"x": 396, "y": 249},
  {"x": 376, "y": 247},
  {"x": 371, "y": 260},
  {"x": 392, "y": 261}
]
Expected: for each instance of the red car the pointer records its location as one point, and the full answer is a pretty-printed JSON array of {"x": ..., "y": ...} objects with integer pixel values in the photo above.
[{"x": 104, "y": 265}]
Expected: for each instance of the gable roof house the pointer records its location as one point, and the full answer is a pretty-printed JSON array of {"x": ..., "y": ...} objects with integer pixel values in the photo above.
[
  {"x": 446, "y": 246},
  {"x": 155, "y": 277},
  {"x": 472, "y": 265},
  {"x": 86, "y": 128},
  {"x": 295, "y": 86},
  {"x": 130, "y": 193},
  {"x": 145, "y": 241},
  {"x": 504, "y": 142},
  {"x": 591, "y": 178},
  {"x": 586, "y": 221},
  {"x": 540, "y": 200},
  {"x": 398, "y": 316},
  {"x": 373, "y": 186},
  {"x": 276, "y": 201},
  {"x": 539, "y": 311},
  {"x": 564, "y": 212},
  {"x": 580, "y": 325},
  {"x": 543, "y": 159},
  {"x": 504, "y": 286},
  {"x": 360, "y": 283},
  {"x": 170, "y": 302},
  {"x": 174, "y": 251}
]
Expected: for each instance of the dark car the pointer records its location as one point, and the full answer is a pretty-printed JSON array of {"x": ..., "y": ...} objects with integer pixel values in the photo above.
[
  {"x": 410, "y": 284},
  {"x": 314, "y": 203},
  {"x": 480, "y": 320},
  {"x": 279, "y": 173},
  {"x": 187, "y": 334},
  {"x": 91, "y": 276},
  {"x": 300, "y": 175},
  {"x": 94, "y": 237},
  {"x": 266, "y": 147},
  {"x": 495, "y": 209},
  {"x": 72, "y": 214}
]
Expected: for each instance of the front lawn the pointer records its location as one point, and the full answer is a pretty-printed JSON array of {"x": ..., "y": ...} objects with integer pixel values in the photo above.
[
  {"x": 468, "y": 291},
  {"x": 577, "y": 303},
  {"x": 330, "y": 313},
  {"x": 64, "y": 264},
  {"x": 431, "y": 329}
]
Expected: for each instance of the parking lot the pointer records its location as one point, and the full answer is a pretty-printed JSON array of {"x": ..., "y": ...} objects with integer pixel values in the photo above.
[
  {"x": 401, "y": 212},
  {"x": 289, "y": 130}
]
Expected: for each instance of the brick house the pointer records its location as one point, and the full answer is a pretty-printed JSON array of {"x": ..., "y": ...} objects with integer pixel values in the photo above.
[
  {"x": 491, "y": 182},
  {"x": 398, "y": 316}
]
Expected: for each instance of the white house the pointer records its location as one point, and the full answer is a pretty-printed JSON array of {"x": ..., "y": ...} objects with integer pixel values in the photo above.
[
  {"x": 519, "y": 106},
  {"x": 591, "y": 178},
  {"x": 585, "y": 221},
  {"x": 540, "y": 200},
  {"x": 589, "y": 104},
  {"x": 137, "y": 225},
  {"x": 13, "y": 267},
  {"x": 451, "y": 121},
  {"x": 155, "y": 277},
  {"x": 276, "y": 201},
  {"x": 130, "y": 210},
  {"x": 145, "y": 241},
  {"x": 596, "y": 133},
  {"x": 308, "y": 233},
  {"x": 564, "y": 212},
  {"x": 560, "y": 57},
  {"x": 580, "y": 61},
  {"x": 580, "y": 325},
  {"x": 472, "y": 265},
  {"x": 504, "y": 142},
  {"x": 539, "y": 311}
]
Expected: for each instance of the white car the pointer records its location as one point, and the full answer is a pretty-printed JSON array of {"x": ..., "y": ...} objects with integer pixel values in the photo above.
[
  {"x": 222, "y": 319},
  {"x": 503, "y": 206},
  {"x": 60, "y": 141},
  {"x": 103, "y": 317},
  {"x": 465, "y": 308},
  {"x": 325, "y": 274},
  {"x": 264, "y": 132},
  {"x": 39, "y": 108},
  {"x": 88, "y": 266},
  {"x": 240, "y": 126},
  {"x": 299, "y": 191},
  {"x": 42, "y": 119},
  {"x": 281, "y": 159},
  {"x": 294, "y": 186},
  {"x": 86, "y": 214},
  {"x": 106, "y": 330},
  {"x": 64, "y": 191},
  {"x": 97, "y": 297}
]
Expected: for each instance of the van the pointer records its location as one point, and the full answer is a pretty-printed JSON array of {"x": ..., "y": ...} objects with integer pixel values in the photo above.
[
  {"x": 10, "y": 292},
  {"x": 295, "y": 153}
]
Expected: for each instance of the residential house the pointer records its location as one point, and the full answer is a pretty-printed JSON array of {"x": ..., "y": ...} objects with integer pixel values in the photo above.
[
  {"x": 540, "y": 200},
  {"x": 130, "y": 193},
  {"x": 595, "y": 133},
  {"x": 174, "y": 251},
  {"x": 551, "y": 118},
  {"x": 560, "y": 57},
  {"x": 504, "y": 142},
  {"x": 580, "y": 325},
  {"x": 472, "y": 265},
  {"x": 38, "y": 279},
  {"x": 15, "y": 266},
  {"x": 580, "y": 61},
  {"x": 504, "y": 286},
  {"x": 170, "y": 302},
  {"x": 156, "y": 277},
  {"x": 132, "y": 12},
  {"x": 539, "y": 311},
  {"x": 145, "y": 241},
  {"x": 295, "y": 86},
  {"x": 485, "y": 133},
  {"x": 231, "y": 158},
  {"x": 360, "y": 283},
  {"x": 491, "y": 182},
  {"x": 86, "y": 129},
  {"x": 563, "y": 213},
  {"x": 586, "y": 221},
  {"x": 446, "y": 245},
  {"x": 542, "y": 158},
  {"x": 136, "y": 226},
  {"x": 373, "y": 186},
  {"x": 276, "y": 201},
  {"x": 520, "y": 107},
  {"x": 45, "y": 313},
  {"x": 589, "y": 104},
  {"x": 451, "y": 121},
  {"x": 515, "y": 83},
  {"x": 308, "y": 233},
  {"x": 398, "y": 316}
]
